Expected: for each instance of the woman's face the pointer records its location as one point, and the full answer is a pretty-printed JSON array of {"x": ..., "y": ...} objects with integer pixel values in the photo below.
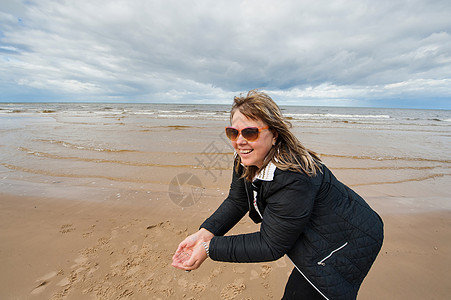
[{"x": 252, "y": 153}]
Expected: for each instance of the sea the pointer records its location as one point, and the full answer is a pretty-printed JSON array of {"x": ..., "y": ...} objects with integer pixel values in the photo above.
[{"x": 55, "y": 149}]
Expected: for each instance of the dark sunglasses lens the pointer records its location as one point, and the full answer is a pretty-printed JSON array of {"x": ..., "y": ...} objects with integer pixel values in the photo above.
[
  {"x": 250, "y": 134},
  {"x": 232, "y": 133}
]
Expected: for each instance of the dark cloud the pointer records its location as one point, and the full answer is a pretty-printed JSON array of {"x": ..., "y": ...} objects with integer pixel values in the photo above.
[{"x": 335, "y": 53}]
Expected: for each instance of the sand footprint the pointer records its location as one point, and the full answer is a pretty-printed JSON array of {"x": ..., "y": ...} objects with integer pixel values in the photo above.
[
  {"x": 60, "y": 295},
  {"x": 103, "y": 241},
  {"x": 126, "y": 294},
  {"x": 232, "y": 290},
  {"x": 166, "y": 279},
  {"x": 64, "y": 282},
  {"x": 198, "y": 287},
  {"x": 216, "y": 271},
  {"x": 93, "y": 269},
  {"x": 281, "y": 263},
  {"x": 132, "y": 271},
  {"x": 239, "y": 270},
  {"x": 66, "y": 228},
  {"x": 133, "y": 249},
  {"x": 254, "y": 275},
  {"x": 265, "y": 271},
  {"x": 87, "y": 234},
  {"x": 80, "y": 261},
  {"x": 183, "y": 283}
]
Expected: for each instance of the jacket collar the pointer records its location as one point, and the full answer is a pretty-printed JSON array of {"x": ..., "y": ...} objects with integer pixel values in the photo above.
[{"x": 267, "y": 174}]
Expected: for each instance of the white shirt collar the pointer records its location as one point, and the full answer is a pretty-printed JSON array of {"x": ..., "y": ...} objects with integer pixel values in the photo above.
[{"x": 267, "y": 174}]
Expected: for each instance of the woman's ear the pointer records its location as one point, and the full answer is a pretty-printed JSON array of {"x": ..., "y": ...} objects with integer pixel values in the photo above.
[{"x": 274, "y": 138}]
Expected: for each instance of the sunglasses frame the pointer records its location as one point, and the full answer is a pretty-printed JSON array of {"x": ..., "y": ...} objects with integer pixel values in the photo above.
[{"x": 240, "y": 132}]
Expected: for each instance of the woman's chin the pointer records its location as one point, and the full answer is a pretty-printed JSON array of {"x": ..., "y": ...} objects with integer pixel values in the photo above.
[
  {"x": 245, "y": 164},
  {"x": 248, "y": 163}
]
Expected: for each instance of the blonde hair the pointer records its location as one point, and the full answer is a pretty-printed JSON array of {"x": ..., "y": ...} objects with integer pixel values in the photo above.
[{"x": 287, "y": 153}]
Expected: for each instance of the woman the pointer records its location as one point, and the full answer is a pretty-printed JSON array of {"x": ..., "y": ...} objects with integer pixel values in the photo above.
[{"x": 328, "y": 231}]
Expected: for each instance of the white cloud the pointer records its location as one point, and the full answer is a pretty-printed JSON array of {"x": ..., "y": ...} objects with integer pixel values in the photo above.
[{"x": 303, "y": 51}]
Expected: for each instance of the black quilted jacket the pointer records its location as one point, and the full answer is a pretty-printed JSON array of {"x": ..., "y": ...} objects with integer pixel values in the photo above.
[{"x": 328, "y": 231}]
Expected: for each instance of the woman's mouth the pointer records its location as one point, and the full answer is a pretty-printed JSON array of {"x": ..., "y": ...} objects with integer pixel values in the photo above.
[{"x": 247, "y": 151}]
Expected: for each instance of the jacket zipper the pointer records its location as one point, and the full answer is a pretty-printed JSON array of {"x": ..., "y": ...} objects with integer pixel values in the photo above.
[
  {"x": 247, "y": 194},
  {"x": 250, "y": 201},
  {"x": 255, "y": 205},
  {"x": 322, "y": 262}
]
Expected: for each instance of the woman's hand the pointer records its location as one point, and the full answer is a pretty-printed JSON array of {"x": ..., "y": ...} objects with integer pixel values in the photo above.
[
  {"x": 192, "y": 258},
  {"x": 191, "y": 253}
]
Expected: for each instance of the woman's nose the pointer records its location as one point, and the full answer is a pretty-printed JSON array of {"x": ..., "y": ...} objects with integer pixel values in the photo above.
[{"x": 240, "y": 140}]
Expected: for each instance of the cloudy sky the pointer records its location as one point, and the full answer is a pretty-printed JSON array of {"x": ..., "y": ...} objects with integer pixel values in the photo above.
[{"x": 385, "y": 53}]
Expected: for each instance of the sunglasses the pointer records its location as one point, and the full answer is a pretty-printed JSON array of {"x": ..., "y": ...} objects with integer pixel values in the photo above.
[{"x": 250, "y": 134}]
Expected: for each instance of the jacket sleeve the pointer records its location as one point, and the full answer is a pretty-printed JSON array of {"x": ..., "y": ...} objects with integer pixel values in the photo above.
[
  {"x": 287, "y": 212},
  {"x": 231, "y": 211}
]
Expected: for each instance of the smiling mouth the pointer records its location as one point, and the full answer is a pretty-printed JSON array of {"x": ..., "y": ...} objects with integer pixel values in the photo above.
[{"x": 246, "y": 151}]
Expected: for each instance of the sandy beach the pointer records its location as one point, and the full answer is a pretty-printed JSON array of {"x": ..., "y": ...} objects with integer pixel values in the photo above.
[
  {"x": 87, "y": 214},
  {"x": 52, "y": 249}
]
